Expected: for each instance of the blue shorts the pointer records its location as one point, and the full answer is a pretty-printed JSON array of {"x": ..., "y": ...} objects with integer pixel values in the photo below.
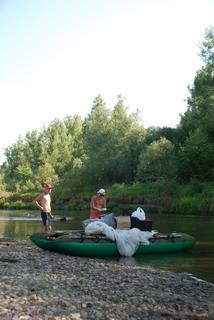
[{"x": 46, "y": 218}]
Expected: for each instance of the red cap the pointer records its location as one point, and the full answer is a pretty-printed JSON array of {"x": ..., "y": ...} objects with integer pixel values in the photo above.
[{"x": 48, "y": 186}]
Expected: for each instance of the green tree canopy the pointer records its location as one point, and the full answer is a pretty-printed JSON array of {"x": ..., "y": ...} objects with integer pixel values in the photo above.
[{"x": 157, "y": 161}]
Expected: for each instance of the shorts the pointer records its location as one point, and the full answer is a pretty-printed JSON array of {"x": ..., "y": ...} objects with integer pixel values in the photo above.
[
  {"x": 94, "y": 214},
  {"x": 46, "y": 218}
]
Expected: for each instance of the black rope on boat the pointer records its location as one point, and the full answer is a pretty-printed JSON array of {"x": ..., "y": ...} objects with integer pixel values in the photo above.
[
  {"x": 82, "y": 238},
  {"x": 172, "y": 236},
  {"x": 56, "y": 235},
  {"x": 94, "y": 238},
  {"x": 169, "y": 236}
]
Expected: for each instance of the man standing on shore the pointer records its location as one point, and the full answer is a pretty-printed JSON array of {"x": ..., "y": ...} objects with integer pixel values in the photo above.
[{"x": 43, "y": 203}]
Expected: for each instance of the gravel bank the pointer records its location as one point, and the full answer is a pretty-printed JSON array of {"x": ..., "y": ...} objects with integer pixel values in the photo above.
[{"x": 37, "y": 284}]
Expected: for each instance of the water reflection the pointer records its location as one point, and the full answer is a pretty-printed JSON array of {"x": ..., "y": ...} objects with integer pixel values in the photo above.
[
  {"x": 181, "y": 259},
  {"x": 192, "y": 262},
  {"x": 20, "y": 224},
  {"x": 127, "y": 260}
]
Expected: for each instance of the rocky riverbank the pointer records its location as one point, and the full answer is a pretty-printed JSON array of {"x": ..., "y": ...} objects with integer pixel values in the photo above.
[{"x": 36, "y": 284}]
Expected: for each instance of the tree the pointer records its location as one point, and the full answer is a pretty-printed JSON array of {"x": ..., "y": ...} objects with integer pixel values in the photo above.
[
  {"x": 200, "y": 112},
  {"x": 197, "y": 157},
  {"x": 197, "y": 121},
  {"x": 113, "y": 142},
  {"x": 2, "y": 181},
  {"x": 207, "y": 46},
  {"x": 157, "y": 161},
  {"x": 96, "y": 137},
  {"x": 16, "y": 158},
  {"x": 125, "y": 144}
]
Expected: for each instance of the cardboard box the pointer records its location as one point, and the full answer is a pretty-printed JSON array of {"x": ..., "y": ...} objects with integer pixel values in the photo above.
[{"x": 123, "y": 222}]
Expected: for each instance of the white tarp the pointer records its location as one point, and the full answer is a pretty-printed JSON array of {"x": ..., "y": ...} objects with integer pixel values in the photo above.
[{"x": 127, "y": 240}]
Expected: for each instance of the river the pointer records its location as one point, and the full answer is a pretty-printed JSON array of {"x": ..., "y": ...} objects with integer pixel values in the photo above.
[{"x": 18, "y": 225}]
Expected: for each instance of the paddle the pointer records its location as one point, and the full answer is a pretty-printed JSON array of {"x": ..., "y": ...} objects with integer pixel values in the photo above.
[{"x": 63, "y": 219}]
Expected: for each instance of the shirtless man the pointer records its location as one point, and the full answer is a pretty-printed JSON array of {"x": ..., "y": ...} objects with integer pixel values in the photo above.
[
  {"x": 43, "y": 203},
  {"x": 98, "y": 204}
]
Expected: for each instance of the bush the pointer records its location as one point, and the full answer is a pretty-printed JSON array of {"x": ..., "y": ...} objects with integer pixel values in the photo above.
[
  {"x": 17, "y": 205},
  {"x": 191, "y": 205}
]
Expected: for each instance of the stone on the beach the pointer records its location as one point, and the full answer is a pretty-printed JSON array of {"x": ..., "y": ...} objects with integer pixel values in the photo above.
[{"x": 45, "y": 285}]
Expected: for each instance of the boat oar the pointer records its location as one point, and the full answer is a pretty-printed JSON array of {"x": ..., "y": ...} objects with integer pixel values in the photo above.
[{"x": 63, "y": 219}]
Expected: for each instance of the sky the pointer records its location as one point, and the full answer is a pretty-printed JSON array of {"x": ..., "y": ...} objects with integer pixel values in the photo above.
[{"x": 56, "y": 56}]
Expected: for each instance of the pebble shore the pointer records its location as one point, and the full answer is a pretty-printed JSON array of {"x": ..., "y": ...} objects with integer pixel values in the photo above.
[{"x": 37, "y": 284}]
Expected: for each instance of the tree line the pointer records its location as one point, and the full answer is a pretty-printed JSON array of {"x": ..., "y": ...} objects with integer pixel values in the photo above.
[{"x": 112, "y": 146}]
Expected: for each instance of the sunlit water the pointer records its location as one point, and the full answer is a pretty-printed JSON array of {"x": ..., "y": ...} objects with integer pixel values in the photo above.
[{"x": 199, "y": 261}]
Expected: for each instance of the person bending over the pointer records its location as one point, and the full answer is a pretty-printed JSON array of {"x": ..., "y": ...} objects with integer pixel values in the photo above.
[{"x": 98, "y": 204}]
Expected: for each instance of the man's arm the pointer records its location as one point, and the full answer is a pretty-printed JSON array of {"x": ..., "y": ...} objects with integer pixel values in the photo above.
[
  {"x": 104, "y": 205},
  {"x": 36, "y": 202}
]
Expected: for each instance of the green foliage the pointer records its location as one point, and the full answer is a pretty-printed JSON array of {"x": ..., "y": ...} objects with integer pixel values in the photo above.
[
  {"x": 207, "y": 45},
  {"x": 174, "y": 135},
  {"x": 123, "y": 190},
  {"x": 113, "y": 141},
  {"x": 191, "y": 205},
  {"x": 17, "y": 205},
  {"x": 192, "y": 188},
  {"x": 197, "y": 158},
  {"x": 43, "y": 156},
  {"x": 2, "y": 181},
  {"x": 157, "y": 161},
  {"x": 148, "y": 189}
]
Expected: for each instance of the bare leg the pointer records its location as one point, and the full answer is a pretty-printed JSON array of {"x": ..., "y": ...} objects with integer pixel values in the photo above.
[{"x": 49, "y": 228}]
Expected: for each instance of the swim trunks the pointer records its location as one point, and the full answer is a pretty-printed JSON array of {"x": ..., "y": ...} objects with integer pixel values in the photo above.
[{"x": 46, "y": 218}]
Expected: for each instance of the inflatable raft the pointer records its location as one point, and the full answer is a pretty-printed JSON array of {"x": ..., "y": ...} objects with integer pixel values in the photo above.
[{"x": 77, "y": 243}]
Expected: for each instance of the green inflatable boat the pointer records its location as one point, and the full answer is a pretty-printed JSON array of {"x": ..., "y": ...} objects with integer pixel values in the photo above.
[{"x": 77, "y": 243}]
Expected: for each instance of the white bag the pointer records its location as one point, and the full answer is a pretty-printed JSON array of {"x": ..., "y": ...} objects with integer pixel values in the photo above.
[{"x": 139, "y": 213}]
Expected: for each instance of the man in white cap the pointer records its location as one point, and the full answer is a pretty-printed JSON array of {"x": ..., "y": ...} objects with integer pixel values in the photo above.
[{"x": 98, "y": 204}]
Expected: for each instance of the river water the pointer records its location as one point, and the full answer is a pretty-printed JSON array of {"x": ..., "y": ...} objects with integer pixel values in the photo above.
[{"x": 18, "y": 225}]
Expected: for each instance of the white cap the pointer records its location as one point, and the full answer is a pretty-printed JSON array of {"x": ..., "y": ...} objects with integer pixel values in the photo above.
[{"x": 101, "y": 191}]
